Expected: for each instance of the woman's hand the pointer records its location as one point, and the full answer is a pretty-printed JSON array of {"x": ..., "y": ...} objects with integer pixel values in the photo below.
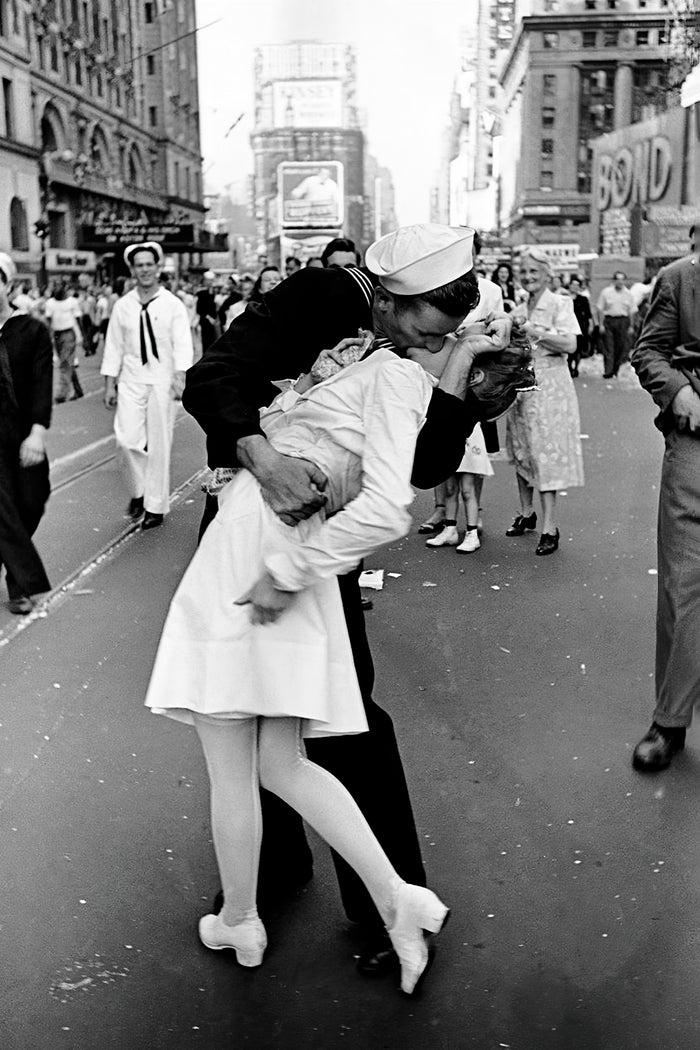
[
  {"x": 345, "y": 353},
  {"x": 267, "y": 600},
  {"x": 33, "y": 449}
]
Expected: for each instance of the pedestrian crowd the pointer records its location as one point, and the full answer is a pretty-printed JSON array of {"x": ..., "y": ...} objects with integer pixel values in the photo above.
[{"x": 327, "y": 393}]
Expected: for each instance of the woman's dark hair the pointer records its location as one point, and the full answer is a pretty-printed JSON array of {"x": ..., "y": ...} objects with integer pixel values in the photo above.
[
  {"x": 503, "y": 266},
  {"x": 59, "y": 293},
  {"x": 338, "y": 244},
  {"x": 256, "y": 294},
  {"x": 456, "y": 299}
]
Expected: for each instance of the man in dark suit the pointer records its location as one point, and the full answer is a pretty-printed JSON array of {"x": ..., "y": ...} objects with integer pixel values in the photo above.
[
  {"x": 667, "y": 361},
  {"x": 26, "y": 394}
]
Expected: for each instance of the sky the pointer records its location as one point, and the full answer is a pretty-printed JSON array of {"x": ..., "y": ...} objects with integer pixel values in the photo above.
[{"x": 407, "y": 58}]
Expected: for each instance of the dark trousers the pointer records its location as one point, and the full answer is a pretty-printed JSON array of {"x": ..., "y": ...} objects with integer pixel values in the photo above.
[
  {"x": 678, "y": 605},
  {"x": 23, "y": 495},
  {"x": 67, "y": 372},
  {"x": 368, "y": 764},
  {"x": 616, "y": 345}
]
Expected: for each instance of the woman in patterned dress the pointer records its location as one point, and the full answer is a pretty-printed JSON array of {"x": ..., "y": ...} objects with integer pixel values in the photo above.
[{"x": 543, "y": 428}]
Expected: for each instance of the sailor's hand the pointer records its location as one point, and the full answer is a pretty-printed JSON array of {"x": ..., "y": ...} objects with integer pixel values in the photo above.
[
  {"x": 293, "y": 488},
  {"x": 267, "y": 601}
]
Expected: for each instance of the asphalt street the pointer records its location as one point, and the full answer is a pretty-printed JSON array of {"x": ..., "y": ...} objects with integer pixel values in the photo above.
[{"x": 518, "y": 685}]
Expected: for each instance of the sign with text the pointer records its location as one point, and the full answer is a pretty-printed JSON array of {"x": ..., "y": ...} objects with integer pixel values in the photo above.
[
  {"x": 67, "y": 260},
  {"x": 563, "y": 258},
  {"x": 310, "y": 194},
  {"x": 118, "y": 232},
  {"x": 307, "y": 103}
]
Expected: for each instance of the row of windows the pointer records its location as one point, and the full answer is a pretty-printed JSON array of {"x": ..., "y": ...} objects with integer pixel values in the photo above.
[{"x": 610, "y": 38}]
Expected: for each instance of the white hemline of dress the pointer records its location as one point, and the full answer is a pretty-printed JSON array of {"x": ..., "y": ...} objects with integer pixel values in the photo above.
[{"x": 212, "y": 660}]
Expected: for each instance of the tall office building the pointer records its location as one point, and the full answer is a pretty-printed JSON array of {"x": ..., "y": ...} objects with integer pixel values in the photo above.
[
  {"x": 576, "y": 70},
  {"x": 100, "y": 131},
  {"x": 309, "y": 179}
]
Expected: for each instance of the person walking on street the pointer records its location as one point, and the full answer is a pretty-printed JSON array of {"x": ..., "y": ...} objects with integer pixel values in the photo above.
[
  {"x": 310, "y": 311},
  {"x": 26, "y": 390},
  {"x": 207, "y": 311},
  {"x": 63, "y": 314},
  {"x": 148, "y": 349},
  {"x": 667, "y": 360},
  {"x": 584, "y": 316},
  {"x": 616, "y": 312}
]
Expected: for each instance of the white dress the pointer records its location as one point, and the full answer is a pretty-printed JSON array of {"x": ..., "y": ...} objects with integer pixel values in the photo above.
[
  {"x": 475, "y": 459},
  {"x": 360, "y": 427}
]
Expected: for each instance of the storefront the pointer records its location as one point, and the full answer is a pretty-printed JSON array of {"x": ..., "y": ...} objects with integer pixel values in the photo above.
[{"x": 646, "y": 189}]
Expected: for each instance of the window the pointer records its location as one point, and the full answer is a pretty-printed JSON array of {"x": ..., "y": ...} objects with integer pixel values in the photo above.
[
  {"x": 152, "y": 116},
  {"x": 610, "y": 37},
  {"x": 612, "y": 5},
  {"x": 590, "y": 38},
  {"x": 176, "y": 179},
  {"x": 547, "y": 148},
  {"x": 546, "y": 180},
  {"x": 590, "y": 5},
  {"x": 550, "y": 40},
  {"x": 549, "y": 84},
  {"x": 150, "y": 65},
  {"x": 663, "y": 36},
  {"x": 18, "y": 225},
  {"x": 551, "y": 5},
  {"x": 641, "y": 37},
  {"x": 9, "y": 108},
  {"x": 548, "y": 116},
  {"x": 492, "y": 92},
  {"x": 148, "y": 12},
  {"x": 78, "y": 71}
]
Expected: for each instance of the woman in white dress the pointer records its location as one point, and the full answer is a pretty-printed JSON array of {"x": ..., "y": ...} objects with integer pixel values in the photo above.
[
  {"x": 255, "y": 684},
  {"x": 543, "y": 427}
]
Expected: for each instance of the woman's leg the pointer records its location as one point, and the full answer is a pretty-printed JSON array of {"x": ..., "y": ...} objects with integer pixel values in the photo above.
[
  {"x": 525, "y": 492},
  {"x": 322, "y": 800},
  {"x": 438, "y": 515},
  {"x": 467, "y": 484},
  {"x": 326, "y": 805},
  {"x": 549, "y": 499},
  {"x": 231, "y": 753}
]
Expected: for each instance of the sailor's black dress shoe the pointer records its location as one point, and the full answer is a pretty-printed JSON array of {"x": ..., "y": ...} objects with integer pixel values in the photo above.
[
  {"x": 151, "y": 521},
  {"x": 135, "y": 508},
  {"x": 378, "y": 958},
  {"x": 655, "y": 750}
]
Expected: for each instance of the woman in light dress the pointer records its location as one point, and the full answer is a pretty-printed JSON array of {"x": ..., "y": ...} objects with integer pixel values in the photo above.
[
  {"x": 543, "y": 428},
  {"x": 255, "y": 683}
]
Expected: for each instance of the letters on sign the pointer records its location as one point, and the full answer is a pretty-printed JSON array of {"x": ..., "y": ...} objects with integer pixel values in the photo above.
[{"x": 634, "y": 175}]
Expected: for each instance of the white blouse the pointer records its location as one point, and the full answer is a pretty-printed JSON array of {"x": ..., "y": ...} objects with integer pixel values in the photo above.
[{"x": 360, "y": 428}]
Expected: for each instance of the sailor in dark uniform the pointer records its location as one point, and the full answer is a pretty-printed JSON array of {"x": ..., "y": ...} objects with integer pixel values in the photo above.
[
  {"x": 313, "y": 310},
  {"x": 26, "y": 394}
]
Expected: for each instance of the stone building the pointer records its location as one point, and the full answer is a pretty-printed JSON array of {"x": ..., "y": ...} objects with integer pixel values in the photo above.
[{"x": 99, "y": 132}]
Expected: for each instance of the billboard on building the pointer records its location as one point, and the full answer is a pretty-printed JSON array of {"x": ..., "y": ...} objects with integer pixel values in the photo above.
[
  {"x": 310, "y": 194},
  {"x": 307, "y": 103}
]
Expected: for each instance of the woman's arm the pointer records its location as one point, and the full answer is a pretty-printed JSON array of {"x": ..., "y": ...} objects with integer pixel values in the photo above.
[{"x": 393, "y": 413}]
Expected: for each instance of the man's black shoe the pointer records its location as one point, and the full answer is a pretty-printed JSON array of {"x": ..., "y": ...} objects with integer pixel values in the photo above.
[
  {"x": 135, "y": 508},
  {"x": 151, "y": 521},
  {"x": 655, "y": 750},
  {"x": 378, "y": 958},
  {"x": 366, "y": 604}
]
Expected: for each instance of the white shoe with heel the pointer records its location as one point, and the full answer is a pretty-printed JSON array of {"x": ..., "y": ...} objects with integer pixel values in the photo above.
[
  {"x": 247, "y": 939},
  {"x": 418, "y": 912}
]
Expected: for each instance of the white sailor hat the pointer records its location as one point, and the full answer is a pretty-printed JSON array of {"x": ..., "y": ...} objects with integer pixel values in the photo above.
[
  {"x": 7, "y": 267},
  {"x": 145, "y": 246},
  {"x": 417, "y": 259}
]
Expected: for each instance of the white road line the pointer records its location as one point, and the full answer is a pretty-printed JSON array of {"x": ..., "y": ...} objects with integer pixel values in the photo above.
[{"x": 84, "y": 450}]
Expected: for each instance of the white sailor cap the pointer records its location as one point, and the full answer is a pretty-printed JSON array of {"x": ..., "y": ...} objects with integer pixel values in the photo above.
[
  {"x": 145, "y": 246},
  {"x": 417, "y": 259},
  {"x": 7, "y": 267}
]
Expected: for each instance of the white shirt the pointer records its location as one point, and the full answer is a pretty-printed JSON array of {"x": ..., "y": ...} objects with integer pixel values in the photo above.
[
  {"x": 171, "y": 329},
  {"x": 360, "y": 428},
  {"x": 62, "y": 314},
  {"x": 612, "y": 303}
]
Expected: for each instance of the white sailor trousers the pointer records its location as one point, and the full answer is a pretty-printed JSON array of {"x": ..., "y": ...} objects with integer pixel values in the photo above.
[{"x": 143, "y": 428}]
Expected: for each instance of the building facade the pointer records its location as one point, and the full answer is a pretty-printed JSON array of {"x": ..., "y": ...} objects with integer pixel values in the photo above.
[
  {"x": 99, "y": 143},
  {"x": 577, "y": 69},
  {"x": 308, "y": 148}
]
